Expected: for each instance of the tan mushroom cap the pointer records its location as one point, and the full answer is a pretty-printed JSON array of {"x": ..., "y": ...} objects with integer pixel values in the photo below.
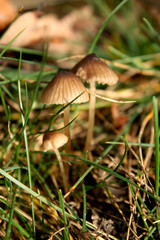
[
  {"x": 53, "y": 140},
  {"x": 64, "y": 87},
  {"x": 91, "y": 68}
]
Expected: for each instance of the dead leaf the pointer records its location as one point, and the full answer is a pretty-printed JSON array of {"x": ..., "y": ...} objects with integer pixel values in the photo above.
[
  {"x": 63, "y": 35},
  {"x": 7, "y": 13},
  {"x": 26, "y": 22}
]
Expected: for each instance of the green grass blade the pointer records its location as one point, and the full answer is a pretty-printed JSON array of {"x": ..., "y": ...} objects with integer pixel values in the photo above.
[
  {"x": 65, "y": 231},
  {"x": 24, "y": 220},
  {"x": 30, "y": 62},
  {"x": 8, "y": 232},
  {"x": 141, "y": 212},
  {"x": 37, "y": 86},
  {"x": 156, "y": 133},
  {"x": 157, "y": 159},
  {"x": 56, "y": 115},
  {"x": 8, "y": 93},
  {"x": 94, "y": 164},
  {"x": 4, "y": 104},
  {"x": 8, "y": 45},
  {"x": 34, "y": 194},
  {"x": 15, "y": 224},
  {"x": 26, "y": 146},
  {"x": 84, "y": 229},
  {"x": 95, "y": 40},
  {"x": 11, "y": 23},
  {"x": 106, "y": 151},
  {"x": 143, "y": 145},
  {"x": 122, "y": 159},
  {"x": 152, "y": 30},
  {"x": 42, "y": 181}
]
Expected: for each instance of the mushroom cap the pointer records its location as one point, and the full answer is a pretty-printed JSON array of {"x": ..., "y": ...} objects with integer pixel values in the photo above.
[
  {"x": 64, "y": 87},
  {"x": 53, "y": 140},
  {"x": 91, "y": 68}
]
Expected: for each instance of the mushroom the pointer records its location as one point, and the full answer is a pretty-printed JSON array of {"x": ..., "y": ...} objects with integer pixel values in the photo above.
[
  {"x": 64, "y": 88},
  {"x": 92, "y": 69},
  {"x": 52, "y": 141}
]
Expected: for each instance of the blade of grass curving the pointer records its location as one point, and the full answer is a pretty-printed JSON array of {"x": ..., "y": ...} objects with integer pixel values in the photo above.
[
  {"x": 157, "y": 159},
  {"x": 122, "y": 159},
  {"x": 153, "y": 32},
  {"x": 8, "y": 93},
  {"x": 8, "y": 45},
  {"x": 64, "y": 107},
  {"x": 84, "y": 229},
  {"x": 19, "y": 12},
  {"x": 65, "y": 231},
  {"x": 26, "y": 145},
  {"x": 54, "y": 130},
  {"x": 8, "y": 232},
  {"x": 95, "y": 40},
  {"x": 59, "y": 129}
]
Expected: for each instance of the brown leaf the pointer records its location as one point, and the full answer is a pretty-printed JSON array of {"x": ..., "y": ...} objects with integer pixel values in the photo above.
[{"x": 7, "y": 13}]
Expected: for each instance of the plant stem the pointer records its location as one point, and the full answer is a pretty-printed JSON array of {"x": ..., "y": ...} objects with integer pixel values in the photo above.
[
  {"x": 95, "y": 40},
  {"x": 68, "y": 144},
  {"x": 61, "y": 169},
  {"x": 91, "y": 116},
  {"x": 156, "y": 133},
  {"x": 67, "y": 130},
  {"x": 92, "y": 85}
]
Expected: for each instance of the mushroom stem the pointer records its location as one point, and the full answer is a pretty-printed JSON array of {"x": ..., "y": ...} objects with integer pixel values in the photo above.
[
  {"x": 68, "y": 144},
  {"x": 91, "y": 116},
  {"x": 61, "y": 169},
  {"x": 67, "y": 129}
]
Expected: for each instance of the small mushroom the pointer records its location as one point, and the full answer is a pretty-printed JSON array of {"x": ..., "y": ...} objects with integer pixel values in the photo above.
[
  {"x": 52, "y": 141},
  {"x": 64, "y": 88},
  {"x": 92, "y": 69}
]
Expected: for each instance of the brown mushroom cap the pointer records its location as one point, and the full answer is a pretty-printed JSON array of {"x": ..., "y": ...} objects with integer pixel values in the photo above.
[
  {"x": 64, "y": 87},
  {"x": 91, "y": 68},
  {"x": 53, "y": 140}
]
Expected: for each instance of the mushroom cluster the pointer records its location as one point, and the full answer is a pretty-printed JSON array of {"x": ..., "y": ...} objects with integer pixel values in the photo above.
[
  {"x": 63, "y": 89},
  {"x": 67, "y": 87}
]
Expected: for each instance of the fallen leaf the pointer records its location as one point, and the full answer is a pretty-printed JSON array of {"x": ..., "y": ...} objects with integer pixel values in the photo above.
[{"x": 7, "y": 13}]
